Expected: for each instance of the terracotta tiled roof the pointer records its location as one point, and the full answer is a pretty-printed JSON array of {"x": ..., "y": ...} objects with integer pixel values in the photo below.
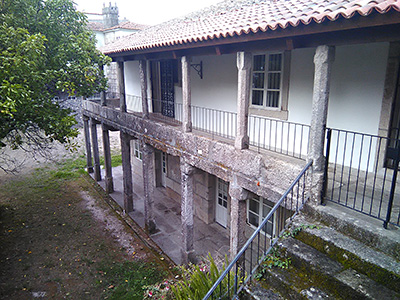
[
  {"x": 238, "y": 17},
  {"x": 96, "y": 26},
  {"x": 129, "y": 25},
  {"x": 99, "y": 26}
]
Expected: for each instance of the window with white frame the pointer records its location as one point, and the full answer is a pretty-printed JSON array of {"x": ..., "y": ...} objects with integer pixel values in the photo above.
[
  {"x": 257, "y": 209},
  {"x": 267, "y": 76},
  {"x": 137, "y": 151}
]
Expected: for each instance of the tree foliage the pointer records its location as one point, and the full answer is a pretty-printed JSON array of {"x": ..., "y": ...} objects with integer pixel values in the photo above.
[{"x": 45, "y": 49}]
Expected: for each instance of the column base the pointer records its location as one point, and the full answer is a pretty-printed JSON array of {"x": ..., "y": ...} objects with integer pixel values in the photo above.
[
  {"x": 109, "y": 185},
  {"x": 151, "y": 227},
  {"x": 189, "y": 257}
]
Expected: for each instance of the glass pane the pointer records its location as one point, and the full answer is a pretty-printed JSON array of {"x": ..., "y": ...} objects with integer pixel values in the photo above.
[
  {"x": 225, "y": 204},
  {"x": 268, "y": 228},
  {"x": 254, "y": 206},
  {"x": 259, "y": 63},
  {"x": 257, "y": 97},
  {"x": 258, "y": 80},
  {"x": 275, "y": 62},
  {"x": 266, "y": 211},
  {"x": 272, "y": 99},
  {"x": 219, "y": 201},
  {"x": 274, "y": 81},
  {"x": 253, "y": 219}
]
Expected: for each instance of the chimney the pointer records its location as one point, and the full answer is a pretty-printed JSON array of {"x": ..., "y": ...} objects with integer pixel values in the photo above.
[{"x": 110, "y": 15}]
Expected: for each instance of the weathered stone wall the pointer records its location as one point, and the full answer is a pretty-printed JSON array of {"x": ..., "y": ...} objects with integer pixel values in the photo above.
[
  {"x": 204, "y": 196},
  {"x": 265, "y": 175}
]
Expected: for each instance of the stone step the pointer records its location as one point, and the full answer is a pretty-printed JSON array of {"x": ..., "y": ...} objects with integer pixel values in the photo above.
[
  {"x": 350, "y": 253},
  {"x": 361, "y": 227},
  {"x": 326, "y": 275},
  {"x": 291, "y": 285}
]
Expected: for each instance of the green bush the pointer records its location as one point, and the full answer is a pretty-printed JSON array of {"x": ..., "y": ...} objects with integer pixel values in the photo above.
[{"x": 198, "y": 280}]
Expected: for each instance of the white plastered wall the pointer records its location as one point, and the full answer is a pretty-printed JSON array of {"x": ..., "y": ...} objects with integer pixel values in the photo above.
[
  {"x": 357, "y": 85},
  {"x": 132, "y": 86}
]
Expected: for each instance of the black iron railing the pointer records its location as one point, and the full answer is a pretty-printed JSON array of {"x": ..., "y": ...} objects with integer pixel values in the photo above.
[
  {"x": 357, "y": 174},
  {"x": 279, "y": 136},
  {"x": 244, "y": 266},
  {"x": 214, "y": 121}
]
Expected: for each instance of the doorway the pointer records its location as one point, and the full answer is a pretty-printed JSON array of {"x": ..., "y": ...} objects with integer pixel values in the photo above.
[{"x": 221, "y": 211}]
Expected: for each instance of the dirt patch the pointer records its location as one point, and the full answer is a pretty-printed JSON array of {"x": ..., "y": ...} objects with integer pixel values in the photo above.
[
  {"x": 56, "y": 237},
  {"x": 115, "y": 227}
]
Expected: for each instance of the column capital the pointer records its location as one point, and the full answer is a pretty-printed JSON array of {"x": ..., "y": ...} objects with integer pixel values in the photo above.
[
  {"x": 324, "y": 54},
  {"x": 186, "y": 168},
  {"x": 237, "y": 192},
  {"x": 244, "y": 60}
]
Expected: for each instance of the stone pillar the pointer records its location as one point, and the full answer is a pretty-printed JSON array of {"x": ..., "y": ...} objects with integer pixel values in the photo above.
[
  {"x": 143, "y": 82},
  {"x": 127, "y": 171},
  {"x": 186, "y": 95},
  {"x": 102, "y": 93},
  {"x": 323, "y": 60},
  {"x": 95, "y": 147},
  {"x": 107, "y": 159},
  {"x": 187, "y": 172},
  {"x": 121, "y": 83},
  {"x": 243, "y": 99},
  {"x": 148, "y": 182},
  {"x": 238, "y": 218},
  {"x": 89, "y": 164}
]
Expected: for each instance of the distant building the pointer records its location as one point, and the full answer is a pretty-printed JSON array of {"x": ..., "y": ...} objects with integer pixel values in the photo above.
[{"x": 108, "y": 27}]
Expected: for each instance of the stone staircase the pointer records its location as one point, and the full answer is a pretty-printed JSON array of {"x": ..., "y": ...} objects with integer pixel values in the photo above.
[{"x": 347, "y": 256}]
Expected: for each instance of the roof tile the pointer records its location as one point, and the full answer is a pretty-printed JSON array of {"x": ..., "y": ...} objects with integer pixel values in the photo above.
[{"x": 239, "y": 17}]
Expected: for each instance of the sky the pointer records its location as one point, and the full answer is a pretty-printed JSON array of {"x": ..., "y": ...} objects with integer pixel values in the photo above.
[{"x": 148, "y": 12}]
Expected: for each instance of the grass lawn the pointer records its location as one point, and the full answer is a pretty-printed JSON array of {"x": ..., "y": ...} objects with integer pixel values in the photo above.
[{"x": 52, "y": 245}]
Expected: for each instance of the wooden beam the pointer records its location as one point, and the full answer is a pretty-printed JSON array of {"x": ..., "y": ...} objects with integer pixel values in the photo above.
[
  {"x": 218, "y": 50},
  {"x": 289, "y": 44}
]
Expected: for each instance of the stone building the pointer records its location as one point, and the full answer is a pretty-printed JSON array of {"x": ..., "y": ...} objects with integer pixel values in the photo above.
[{"x": 223, "y": 109}]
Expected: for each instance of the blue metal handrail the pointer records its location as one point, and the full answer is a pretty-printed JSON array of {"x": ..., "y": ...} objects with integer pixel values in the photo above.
[{"x": 241, "y": 254}]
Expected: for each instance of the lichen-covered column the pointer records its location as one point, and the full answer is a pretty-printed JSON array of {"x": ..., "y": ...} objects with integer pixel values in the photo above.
[
  {"x": 186, "y": 95},
  {"x": 95, "y": 148},
  {"x": 243, "y": 99},
  {"x": 323, "y": 60},
  {"x": 86, "y": 130},
  {"x": 238, "y": 217},
  {"x": 107, "y": 159},
  {"x": 143, "y": 85},
  {"x": 148, "y": 182},
  {"x": 187, "y": 172},
  {"x": 127, "y": 171},
  {"x": 121, "y": 83}
]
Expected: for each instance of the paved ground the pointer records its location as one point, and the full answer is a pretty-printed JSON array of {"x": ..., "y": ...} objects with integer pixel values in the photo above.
[{"x": 211, "y": 238}]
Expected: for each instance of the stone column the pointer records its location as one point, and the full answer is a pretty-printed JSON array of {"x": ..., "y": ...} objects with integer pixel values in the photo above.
[
  {"x": 95, "y": 147},
  {"x": 186, "y": 95},
  {"x": 102, "y": 93},
  {"x": 107, "y": 159},
  {"x": 143, "y": 82},
  {"x": 127, "y": 171},
  {"x": 243, "y": 99},
  {"x": 323, "y": 60},
  {"x": 187, "y": 172},
  {"x": 89, "y": 164},
  {"x": 238, "y": 218},
  {"x": 121, "y": 83},
  {"x": 148, "y": 182}
]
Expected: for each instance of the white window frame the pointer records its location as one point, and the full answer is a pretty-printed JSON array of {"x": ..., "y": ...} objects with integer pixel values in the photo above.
[
  {"x": 137, "y": 150},
  {"x": 261, "y": 203},
  {"x": 280, "y": 112}
]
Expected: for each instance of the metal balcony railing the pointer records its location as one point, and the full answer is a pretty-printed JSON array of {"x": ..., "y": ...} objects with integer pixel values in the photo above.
[
  {"x": 244, "y": 266},
  {"x": 361, "y": 173}
]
